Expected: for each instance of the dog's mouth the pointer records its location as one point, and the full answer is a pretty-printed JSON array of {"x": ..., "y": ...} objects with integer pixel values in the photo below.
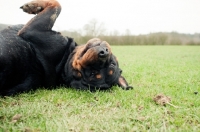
[{"x": 91, "y": 78}]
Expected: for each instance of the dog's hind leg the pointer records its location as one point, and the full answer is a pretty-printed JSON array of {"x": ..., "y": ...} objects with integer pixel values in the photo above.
[{"x": 28, "y": 84}]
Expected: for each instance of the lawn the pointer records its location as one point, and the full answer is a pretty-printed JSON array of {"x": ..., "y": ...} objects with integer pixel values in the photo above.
[{"x": 171, "y": 70}]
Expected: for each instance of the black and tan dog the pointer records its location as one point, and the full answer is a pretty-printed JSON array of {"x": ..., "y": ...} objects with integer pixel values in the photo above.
[{"x": 33, "y": 56}]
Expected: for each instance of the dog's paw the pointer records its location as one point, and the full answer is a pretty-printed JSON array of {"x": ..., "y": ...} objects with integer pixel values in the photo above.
[
  {"x": 32, "y": 7},
  {"x": 128, "y": 88}
]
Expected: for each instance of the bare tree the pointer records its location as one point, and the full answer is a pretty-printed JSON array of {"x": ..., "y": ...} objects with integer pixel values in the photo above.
[
  {"x": 116, "y": 33},
  {"x": 93, "y": 28},
  {"x": 127, "y": 32}
]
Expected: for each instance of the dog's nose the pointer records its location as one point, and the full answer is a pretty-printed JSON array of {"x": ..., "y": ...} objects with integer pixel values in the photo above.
[{"x": 103, "y": 52}]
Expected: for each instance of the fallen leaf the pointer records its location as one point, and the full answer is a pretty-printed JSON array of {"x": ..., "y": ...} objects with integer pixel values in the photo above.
[
  {"x": 14, "y": 121},
  {"x": 140, "y": 108},
  {"x": 162, "y": 99},
  {"x": 31, "y": 130},
  {"x": 16, "y": 117},
  {"x": 141, "y": 118},
  {"x": 28, "y": 130},
  {"x": 118, "y": 104},
  {"x": 96, "y": 98}
]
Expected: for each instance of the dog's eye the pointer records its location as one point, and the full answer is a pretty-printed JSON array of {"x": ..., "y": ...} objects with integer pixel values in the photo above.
[
  {"x": 95, "y": 75},
  {"x": 93, "y": 72},
  {"x": 112, "y": 65}
]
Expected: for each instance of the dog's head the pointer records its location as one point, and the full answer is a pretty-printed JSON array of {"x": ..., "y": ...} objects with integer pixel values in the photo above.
[{"x": 93, "y": 66}]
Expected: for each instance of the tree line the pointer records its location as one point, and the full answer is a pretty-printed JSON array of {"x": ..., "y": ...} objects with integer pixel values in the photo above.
[
  {"x": 160, "y": 38},
  {"x": 96, "y": 29}
]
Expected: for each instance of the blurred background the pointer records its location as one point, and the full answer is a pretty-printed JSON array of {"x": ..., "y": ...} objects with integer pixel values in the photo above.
[{"x": 121, "y": 22}]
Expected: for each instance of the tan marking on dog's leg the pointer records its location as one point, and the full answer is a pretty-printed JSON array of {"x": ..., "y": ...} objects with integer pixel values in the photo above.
[{"x": 122, "y": 82}]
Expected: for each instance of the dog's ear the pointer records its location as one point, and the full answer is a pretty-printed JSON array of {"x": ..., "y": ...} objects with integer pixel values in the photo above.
[{"x": 123, "y": 83}]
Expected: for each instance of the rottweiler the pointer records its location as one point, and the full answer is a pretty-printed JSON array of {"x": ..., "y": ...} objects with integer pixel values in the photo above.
[{"x": 33, "y": 56}]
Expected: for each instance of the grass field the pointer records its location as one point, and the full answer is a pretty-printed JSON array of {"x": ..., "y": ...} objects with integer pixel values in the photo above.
[{"x": 171, "y": 70}]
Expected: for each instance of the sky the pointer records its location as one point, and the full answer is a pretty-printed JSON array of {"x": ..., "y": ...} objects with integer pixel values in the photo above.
[{"x": 137, "y": 16}]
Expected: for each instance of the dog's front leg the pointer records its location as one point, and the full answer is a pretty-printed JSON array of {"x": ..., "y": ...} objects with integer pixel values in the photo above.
[{"x": 47, "y": 11}]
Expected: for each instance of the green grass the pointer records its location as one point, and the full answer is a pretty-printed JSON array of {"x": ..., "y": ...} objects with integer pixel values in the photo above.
[{"x": 171, "y": 70}]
